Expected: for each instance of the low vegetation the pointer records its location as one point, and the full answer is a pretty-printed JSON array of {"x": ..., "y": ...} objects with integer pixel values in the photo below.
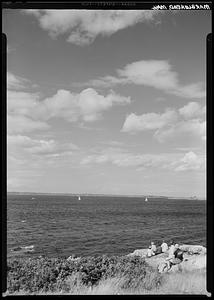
[{"x": 96, "y": 275}]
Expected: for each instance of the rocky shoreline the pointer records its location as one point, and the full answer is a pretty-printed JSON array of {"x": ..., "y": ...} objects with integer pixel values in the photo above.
[{"x": 134, "y": 273}]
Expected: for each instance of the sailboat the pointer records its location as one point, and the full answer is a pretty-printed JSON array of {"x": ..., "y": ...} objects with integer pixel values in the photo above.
[
  {"x": 79, "y": 198},
  {"x": 146, "y": 199}
]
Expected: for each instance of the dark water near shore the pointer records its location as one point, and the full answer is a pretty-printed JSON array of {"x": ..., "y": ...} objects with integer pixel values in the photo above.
[{"x": 61, "y": 225}]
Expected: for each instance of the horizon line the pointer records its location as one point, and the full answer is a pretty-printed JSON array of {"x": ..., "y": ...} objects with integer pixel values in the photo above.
[{"x": 116, "y": 195}]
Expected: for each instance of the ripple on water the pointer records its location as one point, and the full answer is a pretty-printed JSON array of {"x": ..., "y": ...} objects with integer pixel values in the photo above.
[{"x": 101, "y": 225}]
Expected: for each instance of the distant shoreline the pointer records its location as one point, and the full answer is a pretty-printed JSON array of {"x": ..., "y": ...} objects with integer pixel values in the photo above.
[{"x": 106, "y": 195}]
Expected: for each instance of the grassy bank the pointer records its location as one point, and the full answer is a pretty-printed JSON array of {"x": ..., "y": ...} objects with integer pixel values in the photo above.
[{"x": 97, "y": 275}]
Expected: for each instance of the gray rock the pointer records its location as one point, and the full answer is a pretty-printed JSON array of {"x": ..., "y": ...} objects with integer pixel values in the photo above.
[
  {"x": 194, "y": 259},
  {"x": 139, "y": 252},
  {"x": 193, "y": 249}
]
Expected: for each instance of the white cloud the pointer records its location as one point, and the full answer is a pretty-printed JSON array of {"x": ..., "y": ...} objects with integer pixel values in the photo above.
[
  {"x": 21, "y": 103},
  {"x": 21, "y": 106},
  {"x": 186, "y": 122},
  {"x": 166, "y": 161},
  {"x": 134, "y": 123},
  {"x": 22, "y": 145},
  {"x": 26, "y": 112},
  {"x": 16, "y": 82},
  {"x": 153, "y": 73},
  {"x": 190, "y": 161},
  {"x": 183, "y": 129},
  {"x": 83, "y": 26},
  {"x": 20, "y": 124},
  {"x": 91, "y": 104},
  {"x": 31, "y": 145},
  {"x": 191, "y": 110},
  {"x": 87, "y": 106},
  {"x": 123, "y": 159},
  {"x": 112, "y": 143},
  {"x": 106, "y": 81}
]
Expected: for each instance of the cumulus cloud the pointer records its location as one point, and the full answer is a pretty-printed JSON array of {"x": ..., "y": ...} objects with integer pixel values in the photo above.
[
  {"x": 86, "y": 106},
  {"x": 27, "y": 112},
  {"x": 190, "y": 161},
  {"x": 83, "y": 26},
  {"x": 153, "y": 73},
  {"x": 187, "y": 121}
]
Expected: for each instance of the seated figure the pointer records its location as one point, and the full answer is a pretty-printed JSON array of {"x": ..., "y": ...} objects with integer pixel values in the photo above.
[
  {"x": 164, "y": 247},
  {"x": 153, "y": 247},
  {"x": 175, "y": 256},
  {"x": 150, "y": 252}
]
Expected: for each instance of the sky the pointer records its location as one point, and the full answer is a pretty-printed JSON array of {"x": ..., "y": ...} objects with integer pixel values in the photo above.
[{"x": 106, "y": 102}]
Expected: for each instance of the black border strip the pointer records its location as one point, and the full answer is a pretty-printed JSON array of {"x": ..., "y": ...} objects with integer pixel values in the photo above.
[
  {"x": 3, "y": 163},
  {"x": 210, "y": 166},
  {"x": 100, "y": 4},
  {"x": 210, "y": 150}
]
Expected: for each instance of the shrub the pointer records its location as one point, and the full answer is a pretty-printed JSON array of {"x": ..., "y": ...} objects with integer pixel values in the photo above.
[{"x": 34, "y": 275}]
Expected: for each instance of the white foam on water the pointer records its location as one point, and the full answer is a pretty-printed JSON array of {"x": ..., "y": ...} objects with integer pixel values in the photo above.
[{"x": 28, "y": 247}]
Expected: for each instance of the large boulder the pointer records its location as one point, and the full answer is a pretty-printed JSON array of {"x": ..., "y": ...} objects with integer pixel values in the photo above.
[
  {"x": 194, "y": 262},
  {"x": 193, "y": 249},
  {"x": 194, "y": 258},
  {"x": 139, "y": 252},
  {"x": 156, "y": 260}
]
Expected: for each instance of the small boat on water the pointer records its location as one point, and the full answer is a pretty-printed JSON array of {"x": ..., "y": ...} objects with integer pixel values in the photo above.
[
  {"x": 79, "y": 198},
  {"x": 33, "y": 198},
  {"x": 146, "y": 199}
]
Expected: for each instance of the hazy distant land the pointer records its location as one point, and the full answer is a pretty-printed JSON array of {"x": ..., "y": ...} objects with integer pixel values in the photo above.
[{"x": 106, "y": 195}]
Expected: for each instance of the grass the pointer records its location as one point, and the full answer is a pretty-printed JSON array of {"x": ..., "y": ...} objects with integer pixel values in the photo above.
[{"x": 100, "y": 275}]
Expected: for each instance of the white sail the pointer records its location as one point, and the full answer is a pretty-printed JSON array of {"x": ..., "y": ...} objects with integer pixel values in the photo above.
[
  {"x": 79, "y": 198},
  {"x": 146, "y": 199}
]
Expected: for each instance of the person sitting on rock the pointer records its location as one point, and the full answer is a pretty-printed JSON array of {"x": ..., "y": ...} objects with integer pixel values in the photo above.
[
  {"x": 171, "y": 249},
  {"x": 178, "y": 253},
  {"x": 150, "y": 252},
  {"x": 158, "y": 250},
  {"x": 153, "y": 247},
  {"x": 164, "y": 247},
  {"x": 175, "y": 256}
]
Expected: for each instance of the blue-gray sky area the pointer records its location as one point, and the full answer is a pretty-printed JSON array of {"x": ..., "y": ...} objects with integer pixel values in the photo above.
[{"x": 110, "y": 102}]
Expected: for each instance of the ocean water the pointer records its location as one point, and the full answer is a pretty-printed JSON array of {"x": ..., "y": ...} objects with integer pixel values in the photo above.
[{"x": 56, "y": 225}]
